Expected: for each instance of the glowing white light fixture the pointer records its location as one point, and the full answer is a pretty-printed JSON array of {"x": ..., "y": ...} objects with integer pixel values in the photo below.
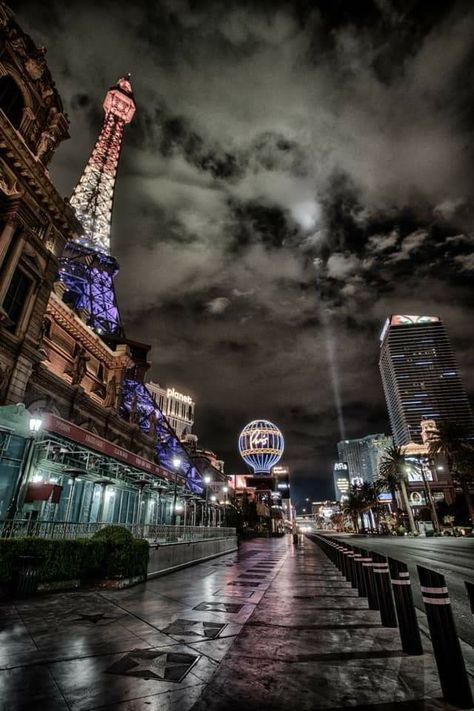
[{"x": 35, "y": 424}]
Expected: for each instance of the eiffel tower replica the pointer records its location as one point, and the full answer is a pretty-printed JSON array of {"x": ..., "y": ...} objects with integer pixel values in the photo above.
[{"x": 87, "y": 270}]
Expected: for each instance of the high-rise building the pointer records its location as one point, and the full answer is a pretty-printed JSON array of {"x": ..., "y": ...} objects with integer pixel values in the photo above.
[
  {"x": 377, "y": 446},
  {"x": 363, "y": 455},
  {"x": 420, "y": 377},
  {"x": 177, "y": 408}
]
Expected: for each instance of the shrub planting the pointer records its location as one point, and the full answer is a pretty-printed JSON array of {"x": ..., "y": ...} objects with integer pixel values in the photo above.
[{"x": 111, "y": 553}]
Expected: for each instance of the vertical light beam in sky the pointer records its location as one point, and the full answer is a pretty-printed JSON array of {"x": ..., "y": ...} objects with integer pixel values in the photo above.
[{"x": 331, "y": 354}]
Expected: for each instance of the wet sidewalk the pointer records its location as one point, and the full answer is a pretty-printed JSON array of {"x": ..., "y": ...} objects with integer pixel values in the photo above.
[
  {"x": 312, "y": 643},
  {"x": 268, "y": 627}
]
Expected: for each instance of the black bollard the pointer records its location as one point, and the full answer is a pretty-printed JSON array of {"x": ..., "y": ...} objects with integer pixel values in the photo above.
[
  {"x": 362, "y": 586},
  {"x": 370, "y": 583},
  {"x": 344, "y": 561},
  {"x": 340, "y": 558},
  {"x": 353, "y": 576},
  {"x": 446, "y": 647},
  {"x": 470, "y": 594},
  {"x": 350, "y": 563},
  {"x": 347, "y": 564},
  {"x": 357, "y": 570},
  {"x": 384, "y": 590},
  {"x": 406, "y": 613}
]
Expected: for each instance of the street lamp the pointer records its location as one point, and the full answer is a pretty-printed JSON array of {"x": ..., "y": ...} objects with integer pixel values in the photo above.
[
  {"x": 225, "y": 489},
  {"x": 34, "y": 426},
  {"x": 213, "y": 499},
  {"x": 176, "y": 465},
  {"x": 207, "y": 481}
]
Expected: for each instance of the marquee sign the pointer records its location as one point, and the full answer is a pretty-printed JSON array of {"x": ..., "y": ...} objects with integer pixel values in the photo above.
[{"x": 171, "y": 392}]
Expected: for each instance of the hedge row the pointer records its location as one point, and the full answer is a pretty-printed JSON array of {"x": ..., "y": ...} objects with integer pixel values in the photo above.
[{"x": 109, "y": 554}]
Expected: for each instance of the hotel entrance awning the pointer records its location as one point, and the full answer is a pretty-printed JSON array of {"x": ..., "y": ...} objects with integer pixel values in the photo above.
[{"x": 54, "y": 424}]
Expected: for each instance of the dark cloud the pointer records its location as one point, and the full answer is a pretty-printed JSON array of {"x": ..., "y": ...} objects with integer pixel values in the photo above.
[{"x": 296, "y": 172}]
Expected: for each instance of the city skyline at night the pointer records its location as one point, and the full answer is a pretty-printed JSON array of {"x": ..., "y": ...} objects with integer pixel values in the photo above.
[{"x": 260, "y": 238}]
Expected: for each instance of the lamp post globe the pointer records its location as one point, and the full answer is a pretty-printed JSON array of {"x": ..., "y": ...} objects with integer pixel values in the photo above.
[
  {"x": 176, "y": 465},
  {"x": 207, "y": 480}
]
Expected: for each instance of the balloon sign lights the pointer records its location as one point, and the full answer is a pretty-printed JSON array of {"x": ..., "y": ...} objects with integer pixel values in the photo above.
[{"x": 261, "y": 445}]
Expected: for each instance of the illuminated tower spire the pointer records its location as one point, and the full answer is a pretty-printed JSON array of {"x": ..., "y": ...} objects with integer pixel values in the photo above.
[
  {"x": 87, "y": 268},
  {"x": 93, "y": 196}
]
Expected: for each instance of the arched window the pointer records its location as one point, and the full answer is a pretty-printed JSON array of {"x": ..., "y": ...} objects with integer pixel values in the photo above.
[{"x": 11, "y": 100}]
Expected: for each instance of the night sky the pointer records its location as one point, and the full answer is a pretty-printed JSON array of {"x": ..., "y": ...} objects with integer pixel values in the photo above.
[{"x": 296, "y": 172}]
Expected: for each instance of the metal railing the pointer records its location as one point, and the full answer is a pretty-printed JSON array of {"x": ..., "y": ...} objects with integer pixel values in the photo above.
[{"x": 159, "y": 533}]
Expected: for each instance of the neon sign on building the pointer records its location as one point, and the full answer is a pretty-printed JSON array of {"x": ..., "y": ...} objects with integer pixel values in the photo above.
[{"x": 261, "y": 446}]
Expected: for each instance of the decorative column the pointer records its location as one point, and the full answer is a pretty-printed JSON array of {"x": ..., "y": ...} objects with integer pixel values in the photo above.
[{"x": 9, "y": 228}]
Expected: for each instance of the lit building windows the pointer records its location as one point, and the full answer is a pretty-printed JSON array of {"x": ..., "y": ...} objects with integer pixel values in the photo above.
[{"x": 442, "y": 397}]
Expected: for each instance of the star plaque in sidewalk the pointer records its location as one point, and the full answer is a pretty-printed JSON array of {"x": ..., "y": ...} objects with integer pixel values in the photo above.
[
  {"x": 154, "y": 664},
  {"x": 218, "y": 607},
  {"x": 194, "y": 628}
]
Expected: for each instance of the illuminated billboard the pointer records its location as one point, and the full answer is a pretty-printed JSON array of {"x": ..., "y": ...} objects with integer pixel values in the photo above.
[
  {"x": 261, "y": 446},
  {"x": 341, "y": 481},
  {"x": 406, "y": 320}
]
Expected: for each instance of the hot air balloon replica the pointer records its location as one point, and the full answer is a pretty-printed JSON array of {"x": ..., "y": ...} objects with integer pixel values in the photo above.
[{"x": 261, "y": 446}]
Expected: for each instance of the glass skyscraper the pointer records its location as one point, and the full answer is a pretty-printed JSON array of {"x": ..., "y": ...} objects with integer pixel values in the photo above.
[
  {"x": 363, "y": 455},
  {"x": 420, "y": 378}
]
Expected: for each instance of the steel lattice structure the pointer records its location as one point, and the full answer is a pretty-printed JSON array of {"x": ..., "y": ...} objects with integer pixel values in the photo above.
[
  {"x": 89, "y": 278},
  {"x": 88, "y": 271},
  {"x": 139, "y": 406},
  {"x": 93, "y": 196}
]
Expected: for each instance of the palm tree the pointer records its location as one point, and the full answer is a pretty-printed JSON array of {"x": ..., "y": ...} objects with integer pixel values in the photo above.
[
  {"x": 369, "y": 495},
  {"x": 362, "y": 497},
  {"x": 353, "y": 506},
  {"x": 393, "y": 478},
  {"x": 450, "y": 443}
]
